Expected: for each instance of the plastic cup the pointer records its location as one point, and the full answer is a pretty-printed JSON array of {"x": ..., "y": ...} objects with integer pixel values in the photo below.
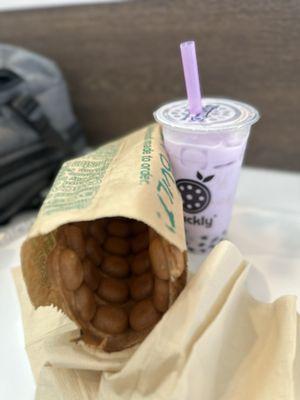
[{"x": 206, "y": 153}]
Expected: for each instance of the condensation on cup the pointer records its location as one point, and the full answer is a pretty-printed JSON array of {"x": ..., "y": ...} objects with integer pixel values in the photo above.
[{"x": 206, "y": 154}]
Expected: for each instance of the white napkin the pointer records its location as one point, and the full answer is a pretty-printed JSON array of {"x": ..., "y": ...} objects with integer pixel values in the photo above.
[{"x": 215, "y": 343}]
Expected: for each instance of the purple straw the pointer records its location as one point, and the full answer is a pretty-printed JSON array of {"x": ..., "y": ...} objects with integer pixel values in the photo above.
[{"x": 191, "y": 76}]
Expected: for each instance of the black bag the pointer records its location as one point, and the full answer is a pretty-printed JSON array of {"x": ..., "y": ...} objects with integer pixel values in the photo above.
[{"x": 38, "y": 129}]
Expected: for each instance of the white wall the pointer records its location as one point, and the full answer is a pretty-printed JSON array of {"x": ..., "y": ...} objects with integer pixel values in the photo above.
[{"x": 22, "y": 4}]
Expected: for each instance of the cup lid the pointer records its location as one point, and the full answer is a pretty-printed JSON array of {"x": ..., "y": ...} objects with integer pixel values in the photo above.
[{"x": 218, "y": 114}]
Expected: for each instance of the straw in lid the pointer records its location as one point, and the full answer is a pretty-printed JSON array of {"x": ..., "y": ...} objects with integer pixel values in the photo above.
[{"x": 217, "y": 114}]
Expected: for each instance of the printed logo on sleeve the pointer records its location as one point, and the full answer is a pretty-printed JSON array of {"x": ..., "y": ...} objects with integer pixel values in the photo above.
[{"x": 195, "y": 195}]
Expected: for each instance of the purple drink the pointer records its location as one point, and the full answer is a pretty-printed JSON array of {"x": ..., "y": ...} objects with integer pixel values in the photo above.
[{"x": 206, "y": 154}]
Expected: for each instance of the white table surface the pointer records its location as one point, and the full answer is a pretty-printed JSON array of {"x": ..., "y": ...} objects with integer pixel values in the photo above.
[
  {"x": 265, "y": 226},
  {"x": 8, "y": 5}
]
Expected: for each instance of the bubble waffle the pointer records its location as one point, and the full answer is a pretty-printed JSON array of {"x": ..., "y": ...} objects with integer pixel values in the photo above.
[{"x": 114, "y": 277}]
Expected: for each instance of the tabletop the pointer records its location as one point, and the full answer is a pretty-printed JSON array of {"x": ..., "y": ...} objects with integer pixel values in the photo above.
[
  {"x": 6, "y": 5},
  {"x": 265, "y": 227}
]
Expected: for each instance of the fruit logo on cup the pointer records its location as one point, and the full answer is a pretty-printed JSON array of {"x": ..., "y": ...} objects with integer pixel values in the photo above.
[{"x": 195, "y": 195}]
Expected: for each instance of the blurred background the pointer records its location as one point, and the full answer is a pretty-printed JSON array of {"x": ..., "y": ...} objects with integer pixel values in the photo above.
[{"x": 121, "y": 61}]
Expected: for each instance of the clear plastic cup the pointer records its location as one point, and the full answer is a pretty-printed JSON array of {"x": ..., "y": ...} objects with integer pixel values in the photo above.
[{"x": 206, "y": 154}]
